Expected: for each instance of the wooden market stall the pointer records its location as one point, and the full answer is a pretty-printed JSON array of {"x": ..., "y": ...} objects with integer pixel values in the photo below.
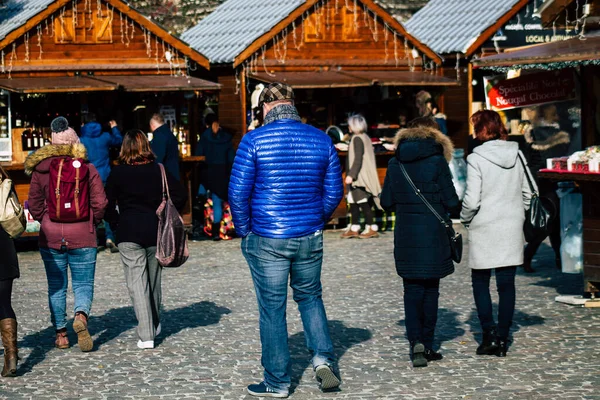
[
  {"x": 339, "y": 56},
  {"x": 463, "y": 32},
  {"x": 70, "y": 57},
  {"x": 583, "y": 55}
]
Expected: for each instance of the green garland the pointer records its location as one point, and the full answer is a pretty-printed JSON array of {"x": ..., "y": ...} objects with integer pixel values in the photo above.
[{"x": 544, "y": 66}]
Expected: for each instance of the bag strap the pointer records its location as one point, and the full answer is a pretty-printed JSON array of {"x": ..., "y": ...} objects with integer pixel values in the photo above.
[
  {"x": 526, "y": 172},
  {"x": 423, "y": 199},
  {"x": 165, "y": 183}
]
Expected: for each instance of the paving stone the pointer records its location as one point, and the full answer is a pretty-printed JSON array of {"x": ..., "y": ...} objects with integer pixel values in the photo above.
[{"x": 210, "y": 348}]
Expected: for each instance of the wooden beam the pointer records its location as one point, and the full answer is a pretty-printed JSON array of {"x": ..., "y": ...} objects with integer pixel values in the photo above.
[
  {"x": 393, "y": 23},
  {"x": 264, "y": 39},
  {"x": 551, "y": 9},
  {"x": 489, "y": 32},
  {"x": 32, "y": 23},
  {"x": 177, "y": 43}
]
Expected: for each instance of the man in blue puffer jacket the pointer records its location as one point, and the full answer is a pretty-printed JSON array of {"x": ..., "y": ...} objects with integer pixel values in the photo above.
[
  {"x": 97, "y": 143},
  {"x": 285, "y": 184}
]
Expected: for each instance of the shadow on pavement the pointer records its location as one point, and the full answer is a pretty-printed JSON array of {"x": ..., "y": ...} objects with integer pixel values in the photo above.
[
  {"x": 118, "y": 320},
  {"x": 343, "y": 338},
  {"x": 447, "y": 328}
]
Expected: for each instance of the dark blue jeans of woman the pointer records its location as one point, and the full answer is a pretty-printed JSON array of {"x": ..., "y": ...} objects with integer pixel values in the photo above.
[
  {"x": 420, "y": 309},
  {"x": 505, "y": 283}
]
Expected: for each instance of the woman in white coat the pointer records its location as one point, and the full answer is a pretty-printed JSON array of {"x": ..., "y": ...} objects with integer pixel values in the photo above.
[{"x": 493, "y": 209}]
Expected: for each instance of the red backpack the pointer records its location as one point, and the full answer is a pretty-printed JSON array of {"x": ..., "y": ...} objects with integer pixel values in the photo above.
[{"x": 69, "y": 190}]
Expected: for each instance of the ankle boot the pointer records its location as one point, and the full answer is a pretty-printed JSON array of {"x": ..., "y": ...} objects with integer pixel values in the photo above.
[
  {"x": 8, "y": 328},
  {"x": 502, "y": 347},
  {"x": 489, "y": 344}
]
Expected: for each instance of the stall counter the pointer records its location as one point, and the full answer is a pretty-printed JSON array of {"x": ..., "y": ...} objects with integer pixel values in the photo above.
[{"x": 589, "y": 183}]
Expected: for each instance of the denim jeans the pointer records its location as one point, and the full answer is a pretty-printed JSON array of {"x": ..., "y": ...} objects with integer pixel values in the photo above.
[
  {"x": 271, "y": 262},
  {"x": 217, "y": 204},
  {"x": 82, "y": 263},
  {"x": 505, "y": 283},
  {"x": 420, "y": 309}
]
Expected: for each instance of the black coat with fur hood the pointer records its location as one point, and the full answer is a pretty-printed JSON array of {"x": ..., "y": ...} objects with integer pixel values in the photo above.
[{"x": 421, "y": 245}]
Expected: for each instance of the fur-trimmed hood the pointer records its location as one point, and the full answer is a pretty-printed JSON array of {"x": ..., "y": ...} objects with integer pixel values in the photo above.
[
  {"x": 417, "y": 143},
  {"x": 35, "y": 161}
]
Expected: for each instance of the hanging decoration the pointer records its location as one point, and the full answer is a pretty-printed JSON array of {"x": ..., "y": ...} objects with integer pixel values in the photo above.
[
  {"x": 264, "y": 49},
  {"x": 396, "y": 57},
  {"x": 385, "y": 41},
  {"x": 458, "y": 67},
  {"x": 13, "y": 56},
  {"x": 27, "y": 47},
  {"x": 294, "y": 35},
  {"x": 39, "y": 43},
  {"x": 53, "y": 29},
  {"x": 99, "y": 8},
  {"x": 46, "y": 22},
  {"x": 121, "y": 27},
  {"x": 74, "y": 15},
  {"x": 127, "y": 32},
  {"x": 62, "y": 25},
  {"x": 2, "y": 68}
]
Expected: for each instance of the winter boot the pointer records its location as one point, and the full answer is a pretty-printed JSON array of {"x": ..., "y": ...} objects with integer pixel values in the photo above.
[
  {"x": 8, "y": 327},
  {"x": 502, "y": 347},
  {"x": 418, "y": 355},
  {"x": 489, "y": 344}
]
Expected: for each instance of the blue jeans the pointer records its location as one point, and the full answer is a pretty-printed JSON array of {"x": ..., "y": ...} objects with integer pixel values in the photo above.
[
  {"x": 421, "y": 309},
  {"x": 83, "y": 266},
  {"x": 217, "y": 204},
  {"x": 271, "y": 262},
  {"x": 505, "y": 283},
  {"x": 108, "y": 233}
]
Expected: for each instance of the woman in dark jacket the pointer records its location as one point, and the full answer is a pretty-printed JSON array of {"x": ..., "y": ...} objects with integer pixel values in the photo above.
[
  {"x": 421, "y": 245},
  {"x": 9, "y": 271},
  {"x": 135, "y": 186}
]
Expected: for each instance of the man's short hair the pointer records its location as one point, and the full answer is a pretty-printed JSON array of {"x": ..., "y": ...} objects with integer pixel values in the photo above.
[
  {"x": 276, "y": 92},
  {"x": 158, "y": 118}
]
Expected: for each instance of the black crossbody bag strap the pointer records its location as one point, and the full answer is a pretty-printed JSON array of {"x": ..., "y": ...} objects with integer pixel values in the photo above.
[
  {"x": 526, "y": 171},
  {"x": 423, "y": 199}
]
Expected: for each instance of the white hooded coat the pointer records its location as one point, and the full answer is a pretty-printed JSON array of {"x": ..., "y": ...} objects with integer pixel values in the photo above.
[{"x": 494, "y": 206}]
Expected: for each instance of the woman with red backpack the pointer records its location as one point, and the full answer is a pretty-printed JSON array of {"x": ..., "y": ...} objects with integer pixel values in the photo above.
[{"x": 67, "y": 197}]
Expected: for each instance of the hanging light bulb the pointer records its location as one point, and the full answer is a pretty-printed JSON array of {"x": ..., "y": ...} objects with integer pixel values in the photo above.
[
  {"x": 168, "y": 55},
  {"x": 415, "y": 53}
]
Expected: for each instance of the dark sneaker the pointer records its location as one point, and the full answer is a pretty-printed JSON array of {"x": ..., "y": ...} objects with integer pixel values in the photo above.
[
  {"x": 110, "y": 245},
  {"x": 326, "y": 376},
  {"x": 262, "y": 390},
  {"x": 431, "y": 355},
  {"x": 418, "y": 356}
]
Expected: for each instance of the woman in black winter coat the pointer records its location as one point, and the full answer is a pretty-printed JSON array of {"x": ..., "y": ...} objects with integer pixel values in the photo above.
[
  {"x": 9, "y": 271},
  {"x": 421, "y": 245}
]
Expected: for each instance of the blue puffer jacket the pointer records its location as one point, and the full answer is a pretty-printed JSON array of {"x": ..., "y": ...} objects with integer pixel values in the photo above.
[
  {"x": 286, "y": 181},
  {"x": 97, "y": 144}
]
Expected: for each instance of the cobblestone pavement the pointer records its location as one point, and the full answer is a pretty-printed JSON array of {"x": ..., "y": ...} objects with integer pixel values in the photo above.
[{"x": 210, "y": 348}]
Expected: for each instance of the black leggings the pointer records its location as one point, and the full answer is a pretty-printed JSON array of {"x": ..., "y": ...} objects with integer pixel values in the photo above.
[
  {"x": 6, "y": 310},
  {"x": 355, "y": 213}
]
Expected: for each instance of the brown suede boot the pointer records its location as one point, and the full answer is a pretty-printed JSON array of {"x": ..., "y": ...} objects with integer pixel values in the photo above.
[
  {"x": 80, "y": 326},
  {"x": 8, "y": 328}
]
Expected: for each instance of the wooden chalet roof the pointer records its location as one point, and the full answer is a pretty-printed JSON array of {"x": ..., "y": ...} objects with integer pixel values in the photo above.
[
  {"x": 461, "y": 26},
  {"x": 20, "y": 17},
  {"x": 237, "y": 28}
]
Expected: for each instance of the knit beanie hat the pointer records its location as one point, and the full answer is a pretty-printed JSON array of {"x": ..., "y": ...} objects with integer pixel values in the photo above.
[{"x": 61, "y": 133}]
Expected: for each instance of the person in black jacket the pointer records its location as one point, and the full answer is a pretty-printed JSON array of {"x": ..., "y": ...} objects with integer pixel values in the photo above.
[
  {"x": 9, "y": 271},
  {"x": 164, "y": 145},
  {"x": 215, "y": 144},
  {"x": 135, "y": 186},
  {"x": 421, "y": 244}
]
